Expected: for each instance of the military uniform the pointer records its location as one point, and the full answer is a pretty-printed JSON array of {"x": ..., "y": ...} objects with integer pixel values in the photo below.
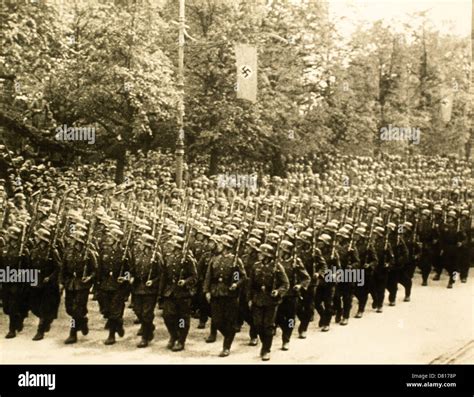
[
  {"x": 145, "y": 273},
  {"x": 112, "y": 288},
  {"x": 299, "y": 280},
  {"x": 224, "y": 277},
  {"x": 400, "y": 260},
  {"x": 326, "y": 287},
  {"x": 426, "y": 237},
  {"x": 464, "y": 251},
  {"x": 245, "y": 314},
  {"x": 366, "y": 255},
  {"x": 44, "y": 298},
  {"x": 349, "y": 258},
  {"x": 305, "y": 309},
  {"x": 381, "y": 261},
  {"x": 264, "y": 278},
  {"x": 202, "y": 305},
  {"x": 176, "y": 297},
  {"x": 77, "y": 276},
  {"x": 14, "y": 295},
  {"x": 449, "y": 238}
]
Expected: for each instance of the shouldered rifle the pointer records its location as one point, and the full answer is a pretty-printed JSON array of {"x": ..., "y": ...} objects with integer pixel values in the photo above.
[
  {"x": 277, "y": 259},
  {"x": 237, "y": 248},
  {"x": 157, "y": 242},
  {"x": 22, "y": 240},
  {"x": 59, "y": 215}
]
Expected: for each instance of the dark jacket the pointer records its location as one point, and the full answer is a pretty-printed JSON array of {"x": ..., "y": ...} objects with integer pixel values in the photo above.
[
  {"x": 265, "y": 274},
  {"x": 222, "y": 272}
]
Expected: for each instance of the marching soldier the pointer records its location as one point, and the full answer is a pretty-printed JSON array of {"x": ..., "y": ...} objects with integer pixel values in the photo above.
[
  {"x": 268, "y": 284},
  {"x": 407, "y": 271},
  {"x": 145, "y": 278},
  {"x": 78, "y": 269},
  {"x": 177, "y": 286},
  {"x": 305, "y": 310},
  {"x": 44, "y": 297},
  {"x": 13, "y": 293},
  {"x": 383, "y": 257},
  {"x": 112, "y": 284},
  {"x": 366, "y": 253},
  {"x": 449, "y": 239},
  {"x": 438, "y": 224},
  {"x": 203, "y": 259},
  {"x": 401, "y": 257},
  {"x": 426, "y": 237},
  {"x": 464, "y": 251},
  {"x": 349, "y": 258},
  {"x": 326, "y": 259},
  {"x": 299, "y": 280},
  {"x": 224, "y": 277},
  {"x": 249, "y": 258}
]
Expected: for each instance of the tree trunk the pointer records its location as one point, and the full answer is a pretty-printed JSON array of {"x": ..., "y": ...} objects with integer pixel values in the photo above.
[
  {"x": 214, "y": 162},
  {"x": 278, "y": 167},
  {"x": 120, "y": 167}
]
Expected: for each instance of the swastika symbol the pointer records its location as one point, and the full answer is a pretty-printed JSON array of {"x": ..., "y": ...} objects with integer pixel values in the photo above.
[{"x": 246, "y": 71}]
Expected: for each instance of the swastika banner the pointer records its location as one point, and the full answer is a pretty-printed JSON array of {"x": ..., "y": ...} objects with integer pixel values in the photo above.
[{"x": 246, "y": 60}]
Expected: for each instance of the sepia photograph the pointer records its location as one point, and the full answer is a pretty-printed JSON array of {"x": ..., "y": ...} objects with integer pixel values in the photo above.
[{"x": 246, "y": 182}]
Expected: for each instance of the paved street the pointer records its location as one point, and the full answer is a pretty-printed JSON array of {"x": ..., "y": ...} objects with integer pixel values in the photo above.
[{"x": 436, "y": 326}]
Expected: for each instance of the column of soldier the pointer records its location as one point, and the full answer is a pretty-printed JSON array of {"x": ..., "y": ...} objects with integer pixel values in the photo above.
[{"x": 235, "y": 256}]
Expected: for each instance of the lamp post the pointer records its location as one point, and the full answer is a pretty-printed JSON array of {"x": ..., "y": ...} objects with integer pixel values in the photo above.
[{"x": 180, "y": 140}]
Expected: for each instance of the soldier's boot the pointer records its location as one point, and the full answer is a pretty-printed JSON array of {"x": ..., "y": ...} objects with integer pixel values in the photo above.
[
  {"x": 11, "y": 329},
  {"x": 112, "y": 330},
  {"x": 325, "y": 328},
  {"x": 359, "y": 314},
  {"x": 72, "y": 338},
  {"x": 302, "y": 330},
  {"x": 266, "y": 347},
  {"x": 202, "y": 324},
  {"x": 178, "y": 346},
  {"x": 450, "y": 284},
  {"x": 379, "y": 309},
  {"x": 84, "y": 326},
  {"x": 40, "y": 332},
  {"x": 224, "y": 353},
  {"x": 171, "y": 343},
  {"x": 213, "y": 335},
  {"x": 151, "y": 331},
  {"x": 344, "y": 321},
  {"x": 436, "y": 277},
  {"x": 111, "y": 339},
  {"x": 228, "y": 339},
  {"x": 19, "y": 324},
  {"x": 145, "y": 337},
  {"x": 119, "y": 328},
  {"x": 391, "y": 303},
  {"x": 407, "y": 298},
  {"x": 47, "y": 325},
  {"x": 286, "y": 341}
]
